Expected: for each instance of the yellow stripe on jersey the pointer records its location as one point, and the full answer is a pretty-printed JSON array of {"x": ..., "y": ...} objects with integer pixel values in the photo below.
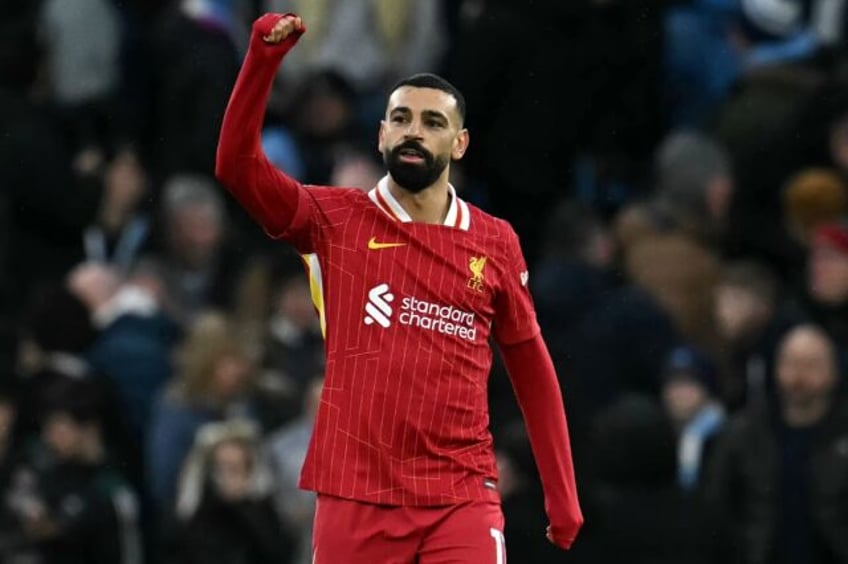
[{"x": 316, "y": 287}]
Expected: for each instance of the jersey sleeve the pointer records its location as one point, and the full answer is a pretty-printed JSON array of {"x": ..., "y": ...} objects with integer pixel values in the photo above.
[
  {"x": 515, "y": 314},
  {"x": 279, "y": 203}
]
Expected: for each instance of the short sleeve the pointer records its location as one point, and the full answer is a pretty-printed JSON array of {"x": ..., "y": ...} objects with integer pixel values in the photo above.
[{"x": 515, "y": 314}]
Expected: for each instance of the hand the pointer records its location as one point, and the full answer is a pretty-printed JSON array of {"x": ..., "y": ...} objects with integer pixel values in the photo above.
[
  {"x": 283, "y": 27},
  {"x": 549, "y": 535},
  {"x": 563, "y": 541}
]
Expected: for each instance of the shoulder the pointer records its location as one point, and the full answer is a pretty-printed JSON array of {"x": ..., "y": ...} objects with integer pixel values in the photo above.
[
  {"x": 337, "y": 193},
  {"x": 489, "y": 226},
  {"x": 337, "y": 197}
]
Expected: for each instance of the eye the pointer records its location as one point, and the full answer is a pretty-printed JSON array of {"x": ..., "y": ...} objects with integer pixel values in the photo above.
[
  {"x": 435, "y": 124},
  {"x": 398, "y": 119}
]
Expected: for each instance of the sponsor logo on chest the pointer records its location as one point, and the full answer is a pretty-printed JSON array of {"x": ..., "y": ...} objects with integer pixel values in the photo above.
[{"x": 414, "y": 312}]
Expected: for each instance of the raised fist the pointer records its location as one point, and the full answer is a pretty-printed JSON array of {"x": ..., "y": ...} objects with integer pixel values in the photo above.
[{"x": 275, "y": 28}]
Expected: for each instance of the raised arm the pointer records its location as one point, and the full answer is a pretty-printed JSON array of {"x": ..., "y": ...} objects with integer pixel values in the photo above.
[
  {"x": 271, "y": 197},
  {"x": 537, "y": 390}
]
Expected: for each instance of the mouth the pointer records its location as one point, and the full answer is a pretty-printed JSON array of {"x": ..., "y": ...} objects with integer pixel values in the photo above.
[{"x": 412, "y": 156}]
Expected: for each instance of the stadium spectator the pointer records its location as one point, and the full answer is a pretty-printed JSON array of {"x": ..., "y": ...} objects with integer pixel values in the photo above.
[
  {"x": 83, "y": 45},
  {"x": 813, "y": 196},
  {"x": 690, "y": 398},
  {"x": 779, "y": 474},
  {"x": 121, "y": 230},
  {"x": 371, "y": 43},
  {"x": 70, "y": 503},
  {"x": 586, "y": 309},
  {"x": 752, "y": 312},
  {"x": 194, "y": 53},
  {"x": 212, "y": 382},
  {"x": 670, "y": 243},
  {"x": 134, "y": 345},
  {"x": 294, "y": 345},
  {"x": 225, "y": 512},
  {"x": 286, "y": 449},
  {"x": 196, "y": 251},
  {"x": 43, "y": 204},
  {"x": 54, "y": 341},
  {"x": 634, "y": 467}
]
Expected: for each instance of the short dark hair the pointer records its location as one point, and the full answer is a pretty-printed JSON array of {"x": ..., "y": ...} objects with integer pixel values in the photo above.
[
  {"x": 430, "y": 80},
  {"x": 752, "y": 275}
]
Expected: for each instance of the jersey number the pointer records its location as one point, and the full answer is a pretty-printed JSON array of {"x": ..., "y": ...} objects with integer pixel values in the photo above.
[{"x": 500, "y": 548}]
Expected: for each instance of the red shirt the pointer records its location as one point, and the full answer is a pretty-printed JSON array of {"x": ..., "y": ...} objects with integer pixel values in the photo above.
[{"x": 407, "y": 309}]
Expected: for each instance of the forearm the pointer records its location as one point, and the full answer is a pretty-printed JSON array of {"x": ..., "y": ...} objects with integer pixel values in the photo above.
[
  {"x": 538, "y": 392},
  {"x": 270, "y": 196}
]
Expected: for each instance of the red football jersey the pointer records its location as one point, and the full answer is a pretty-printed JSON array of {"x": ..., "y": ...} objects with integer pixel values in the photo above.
[{"x": 407, "y": 310}]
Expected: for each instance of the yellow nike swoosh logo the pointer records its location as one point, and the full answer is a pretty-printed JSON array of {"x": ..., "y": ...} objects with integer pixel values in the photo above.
[{"x": 374, "y": 245}]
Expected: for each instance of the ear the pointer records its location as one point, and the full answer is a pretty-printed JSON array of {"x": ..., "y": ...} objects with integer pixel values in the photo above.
[
  {"x": 380, "y": 135},
  {"x": 460, "y": 144}
]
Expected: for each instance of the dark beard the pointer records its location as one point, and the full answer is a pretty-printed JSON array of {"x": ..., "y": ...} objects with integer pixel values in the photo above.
[{"x": 411, "y": 177}]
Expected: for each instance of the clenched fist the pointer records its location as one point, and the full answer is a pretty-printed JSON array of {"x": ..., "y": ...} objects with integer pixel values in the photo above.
[{"x": 275, "y": 28}]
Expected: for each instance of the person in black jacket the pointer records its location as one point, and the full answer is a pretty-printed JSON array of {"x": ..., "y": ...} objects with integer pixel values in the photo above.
[
  {"x": 225, "y": 513},
  {"x": 780, "y": 474},
  {"x": 68, "y": 504},
  {"x": 635, "y": 511}
]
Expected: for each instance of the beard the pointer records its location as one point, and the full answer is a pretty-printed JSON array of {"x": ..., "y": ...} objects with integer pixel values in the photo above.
[{"x": 414, "y": 177}]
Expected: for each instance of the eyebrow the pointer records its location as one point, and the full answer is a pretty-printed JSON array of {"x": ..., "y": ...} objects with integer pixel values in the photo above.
[{"x": 426, "y": 113}]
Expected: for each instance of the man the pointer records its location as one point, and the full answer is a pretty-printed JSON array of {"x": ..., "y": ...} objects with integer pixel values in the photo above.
[
  {"x": 690, "y": 399},
  {"x": 781, "y": 476},
  {"x": 409, "y": 282},
  {"x": 71, "y": 504},
  {"x": 669, "y": 243}
]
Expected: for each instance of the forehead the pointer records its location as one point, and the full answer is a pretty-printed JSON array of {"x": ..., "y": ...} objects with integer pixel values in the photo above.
[
  {"x": 806, "y": 342},
  {"x": 424, "y": 99}
]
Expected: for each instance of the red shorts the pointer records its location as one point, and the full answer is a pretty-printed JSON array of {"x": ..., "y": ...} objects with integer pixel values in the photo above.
[{"x": 353, "y": 532}]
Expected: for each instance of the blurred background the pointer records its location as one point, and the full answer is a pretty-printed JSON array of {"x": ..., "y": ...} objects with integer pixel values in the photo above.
[{"x": 676, "y": 171}]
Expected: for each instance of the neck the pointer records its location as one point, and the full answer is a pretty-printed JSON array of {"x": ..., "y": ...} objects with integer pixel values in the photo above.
[
  {"x": 427, "y": 206},
  {"x": 807, "y": 413}
]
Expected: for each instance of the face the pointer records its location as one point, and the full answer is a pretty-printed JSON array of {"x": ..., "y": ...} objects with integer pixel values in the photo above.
[
  {"x": 231, "y": 470},
  {"x": 231, "y": 376},
  {"x": 739, "y": 312},
  {"x": 64, "y": 436},
  {"x": 828, "y": 275},
  {"x": 421, "y": 134},
  {"x": 719, "y": 195},
  {"x": 683, "y": 398},
  {"x": 196, "y": 234},
  {"x": 806, "y": 370},
  {"x": 126, "y": 182}
]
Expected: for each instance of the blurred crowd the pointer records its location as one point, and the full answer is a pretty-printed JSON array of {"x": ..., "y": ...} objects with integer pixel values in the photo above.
[{"x": 676, "y": 171}]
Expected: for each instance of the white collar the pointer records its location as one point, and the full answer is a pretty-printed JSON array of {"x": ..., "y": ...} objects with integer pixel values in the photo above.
[{"x": 458, "y": 214}]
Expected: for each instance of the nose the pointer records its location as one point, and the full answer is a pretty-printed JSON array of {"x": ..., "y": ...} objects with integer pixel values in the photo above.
[{"x": 414, "y": 130}]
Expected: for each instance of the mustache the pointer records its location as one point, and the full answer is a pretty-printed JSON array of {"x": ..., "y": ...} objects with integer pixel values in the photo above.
[{"x": 414, "y": 146}]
